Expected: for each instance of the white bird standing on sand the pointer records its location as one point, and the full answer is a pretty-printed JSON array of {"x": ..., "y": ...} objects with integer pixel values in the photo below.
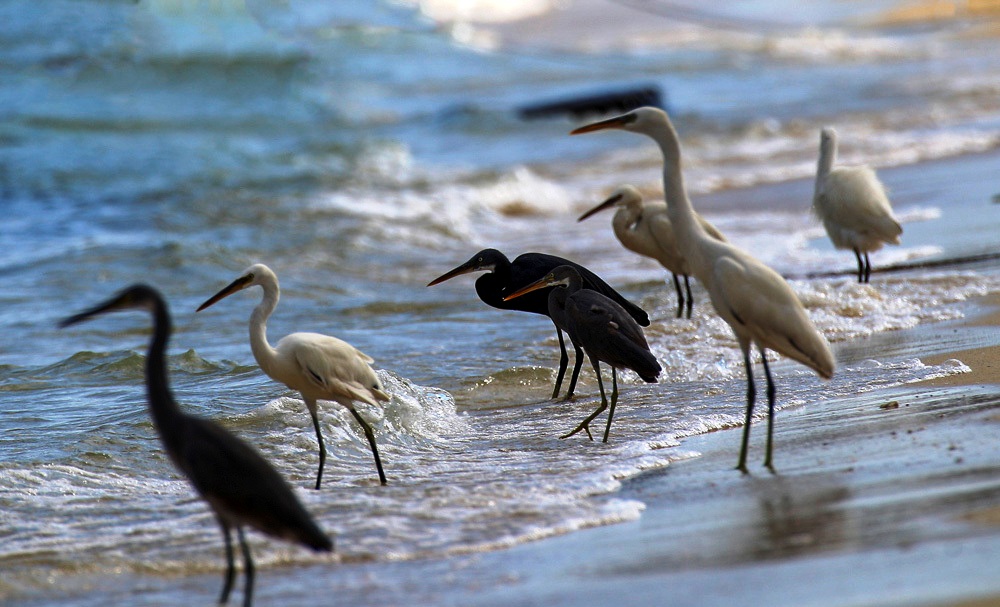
[
  {"x": 320, "y": 367},
  {"x": 645, "y": 228},
  {"x": 851, "y": 203},
  {"x": 752, "y": 298}
]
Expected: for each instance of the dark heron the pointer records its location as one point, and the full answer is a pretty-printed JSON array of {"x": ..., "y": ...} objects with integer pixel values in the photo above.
[
  {"x": 753, "y": 299},
  {"x": 504, "y": 277},
  {"x": 852, "y": 204},
  {"x": 240, "y": 486},
  {"x": 320, "y": 367},
  {"x": 606, "y": 333},
  {"x": 645, "y": 228}
]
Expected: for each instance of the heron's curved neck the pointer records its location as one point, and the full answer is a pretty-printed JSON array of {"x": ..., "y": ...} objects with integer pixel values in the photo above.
[
  {"x": 827, "y": 156},
  {"x": 162, "y": 405},
  {"x": 626, "y": 218},
  {"x": 263, "y": 353}
]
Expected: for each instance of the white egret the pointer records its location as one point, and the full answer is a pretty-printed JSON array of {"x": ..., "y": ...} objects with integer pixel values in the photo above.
[
  {"x": 852, "y": 204},
  {"x": 319, "y": 366},
  {"x": 752, "y": 298},
  {"x": 238, "y": 484},
  {"x": 645, "y": 228},
  {"x": 604, "y": 330}
]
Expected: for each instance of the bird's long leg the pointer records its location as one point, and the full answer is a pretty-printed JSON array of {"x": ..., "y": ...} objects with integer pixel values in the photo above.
[
  {"x": 576, "y": 371},
  {"x": 371, "y": 441},
  {"x": 751, "y": 397},
  {"x": 770, "y": 412},
  {"x": 227, "y": 584},
  {"x": 563, "y": 363},
  {"x": 248, "y": 568},
  {"x": 311, "y": 405},
  {"x": 690, "y": 300},
  {"x": 868, "y": 268},
  {"x": 585, "y": 424},
  {"x": 680, "y": 296},
  {"x": 614, "y": 401},
  {"x": 861, "y": 266}
]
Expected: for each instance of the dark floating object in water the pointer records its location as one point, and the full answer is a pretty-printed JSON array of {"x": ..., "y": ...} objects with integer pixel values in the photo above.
[{"x": 598, "y": 103}]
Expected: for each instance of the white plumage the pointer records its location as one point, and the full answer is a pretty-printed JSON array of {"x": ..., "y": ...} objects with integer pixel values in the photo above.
[
  {"x": 853, "y": 206},
  {"x": 319, "y": 366},
  {"x": 645, "y": 228},
  {"x": 753, "y": 299}
]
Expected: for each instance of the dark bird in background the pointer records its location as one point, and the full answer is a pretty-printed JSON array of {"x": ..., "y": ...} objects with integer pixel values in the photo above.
[
  {"x": 605, "y": 331},
  {"x": 240, "y": 486},
  {"x": 503, "y": 277}
]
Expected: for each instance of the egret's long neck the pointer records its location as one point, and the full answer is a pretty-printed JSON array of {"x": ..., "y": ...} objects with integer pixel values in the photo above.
[
  {"x": 679, "y": 207},
  {"x": 263, "y": 353},
  {"x": 162, "y": 407},
  {"x": 827, "y": 156}
]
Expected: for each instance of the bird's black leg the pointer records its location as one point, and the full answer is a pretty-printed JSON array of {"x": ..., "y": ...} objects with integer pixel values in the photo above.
[
  {"x": 585, "y": 424},
  {"x": 751, "y": 397},
  {"x": 680, "y": 296},
  {"x": 576, "y": 371},
  {"x": 861, "y": 266},
  {"x": 227, "y": 584},
  {"x": 563, "y": 363},
  {"x": 614, "y": 401},
  {"x": 371, "y": 441},
  {"x": 868, "y": 268},
  {"x": 248, "y": 568},
  {"x": 770, "y": 412},
  {"x": 319, "y": 439},
  {"x": 690, "y": 300}
]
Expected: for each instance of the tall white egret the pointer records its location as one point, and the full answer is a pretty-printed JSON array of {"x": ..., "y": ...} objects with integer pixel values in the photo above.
[
  {"x": 238, "y": 484},
  {"x": 319, "y": 366},
  {"x": 752, "y": 298},
  {"x": 852, "y": 204},
  {"x": 604, "y": 330},
  {"x": 645, "y": 228}
]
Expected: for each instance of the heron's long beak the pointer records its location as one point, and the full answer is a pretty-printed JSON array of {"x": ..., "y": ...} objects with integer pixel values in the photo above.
[
  {"x": 465, "y": 268},
  {"x": 541, "y": 283},
  {"x": 237, "y": 285},
  {"x": 610, "y": 202},
  {"x": 118, "y": 302},
  {"x": 618, "y": 122},
  {"x": 476, "y": 264}
]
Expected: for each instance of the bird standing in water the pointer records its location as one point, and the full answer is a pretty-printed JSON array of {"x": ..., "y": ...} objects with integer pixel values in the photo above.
[
  {"x": 238, "y": 484},
  {"x": 852, "y": 204},
  {"x": 319, "y": 366},
  {"x": 752, "y": 298},
  {"x": 645, "y": 228},
  {"x": 504, "y": 277},
  {"x": 604, "y": 330}
]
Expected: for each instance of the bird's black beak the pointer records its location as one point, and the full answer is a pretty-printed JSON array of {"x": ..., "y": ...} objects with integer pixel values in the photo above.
[
  {"x": 610, "y": 202},
  {"x": 476, "y": 264},
  {"x": 118, "y": 302},
  {"x": 237, "y": 285}
]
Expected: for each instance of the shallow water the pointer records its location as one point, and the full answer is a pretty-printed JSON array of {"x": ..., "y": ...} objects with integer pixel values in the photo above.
[{"x": 361, "y": 155}]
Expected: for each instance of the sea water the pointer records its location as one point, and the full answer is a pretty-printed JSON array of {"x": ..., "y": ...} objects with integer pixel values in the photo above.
[{"x": 362, "y": 151}]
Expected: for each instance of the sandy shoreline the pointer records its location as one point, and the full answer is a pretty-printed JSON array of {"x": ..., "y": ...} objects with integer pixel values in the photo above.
[{"x": 888, "y": 497}]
